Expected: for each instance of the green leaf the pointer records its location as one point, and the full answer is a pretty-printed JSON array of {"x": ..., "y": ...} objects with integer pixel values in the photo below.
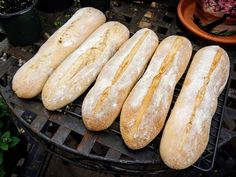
[
  {"x": 43, "y": 19},
  {"x": 6, "y": 135},
  {"x": 217, "y": 32},
  {"x": 4, "y": 111},
  {"x": 14, "y": 141},
  {"x": 4, "y": 146},
  {"x": 224, "y": 33},
  {"x": 5, "y": 140},
  {"x": 229, "y": 33},
  {"x": 1, "y": 157},
  {"x": 57, "y": 23}
]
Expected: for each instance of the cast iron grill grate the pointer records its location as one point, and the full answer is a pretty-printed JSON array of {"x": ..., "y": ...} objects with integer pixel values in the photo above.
[{"x": 63, "y": 132}]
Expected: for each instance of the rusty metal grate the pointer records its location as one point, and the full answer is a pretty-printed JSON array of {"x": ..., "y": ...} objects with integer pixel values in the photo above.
[{"x": 63, "y": 132}]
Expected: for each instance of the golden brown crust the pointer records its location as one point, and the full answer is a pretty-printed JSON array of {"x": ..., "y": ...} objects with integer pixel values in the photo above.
[
  {"x": 104, "y": 101},
  {"x": 81, "y": 68},
  {"x": 186, "y": 132},
  {"x": 31, "y": 77},
  {"x": 144, "y": 112},
  {"x": 167, "y": 62},
  {"x": 119, "y": 72}
]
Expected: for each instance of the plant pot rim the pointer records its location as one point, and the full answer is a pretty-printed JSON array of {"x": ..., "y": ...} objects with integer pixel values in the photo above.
[{"x": 8, "y": 15}]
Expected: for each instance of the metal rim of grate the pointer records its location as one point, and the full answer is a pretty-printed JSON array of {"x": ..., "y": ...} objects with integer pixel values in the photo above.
[{"x": 64, "y": 134}]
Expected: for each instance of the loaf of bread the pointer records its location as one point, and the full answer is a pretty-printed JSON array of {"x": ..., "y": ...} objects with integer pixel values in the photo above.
[
  {"x": 145, "y": 110},
  {"x": 186, "y": 133},
  {"x": 80, "y": 69},
  {"x": 104, "y": 101},
  {"x": 31, "y": 77}
]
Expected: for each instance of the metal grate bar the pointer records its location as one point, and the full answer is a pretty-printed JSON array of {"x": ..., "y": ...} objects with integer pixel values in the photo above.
[
  {"x": 87, "y": 143},
  {"x": 213, "y": 135},
  {"x": 118, "y": 145},
  {"x": 7, "y": 64},
  {"x": 113, "y": 154},
  {"x": 61, "y": 134},
  {"x": 38, "y": 123},
  {"x": 214, "y": 126},
  {"x": 230, "y": 113},
  {"x": 74, "y": 124}
]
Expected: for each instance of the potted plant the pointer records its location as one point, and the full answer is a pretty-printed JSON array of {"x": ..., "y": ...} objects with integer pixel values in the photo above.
[
  {"x": 217, "y": 17},
  {"x": 11, "y": 147},
  {"x": 54, "y": 5},
  {"x": 20, "y": 20}
]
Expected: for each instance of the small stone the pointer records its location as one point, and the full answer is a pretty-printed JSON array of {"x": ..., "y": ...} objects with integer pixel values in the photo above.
[
  {"x": 22, "y": 131},
  {"x": 21, "y": 62},
  {"x": 135, "y": 9},
  {"x": 144, "y": 24},
  {"x": 3, "y": 59},
  {"x": 4, "y": 55},
  {"x": 46, "y": 35},
  {"x": 116, "y": 4},
  {"x": 148, "y": 14},
  {"x": 31, "y": 51},
  {"x": 154, "y": 4}
]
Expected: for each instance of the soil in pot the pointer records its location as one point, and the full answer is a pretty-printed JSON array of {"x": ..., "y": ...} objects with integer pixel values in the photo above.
[{"x": 12, "y": 6}]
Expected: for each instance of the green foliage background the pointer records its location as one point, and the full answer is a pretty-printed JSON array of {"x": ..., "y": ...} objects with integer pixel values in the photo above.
[{"x": 6, "y": 139}]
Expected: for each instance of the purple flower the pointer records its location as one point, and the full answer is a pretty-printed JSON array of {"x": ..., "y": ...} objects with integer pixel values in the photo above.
[{"x": 224, "y": 6}]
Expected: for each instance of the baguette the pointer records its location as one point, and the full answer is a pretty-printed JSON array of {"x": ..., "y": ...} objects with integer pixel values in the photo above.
[
  {"x": 104, "y": 101},
  {"x": 145, "y": 110},
  {"x": 31, "y": 77},
  {"x": 186, "y": 133},
  {"x": 81, "y": 68}
]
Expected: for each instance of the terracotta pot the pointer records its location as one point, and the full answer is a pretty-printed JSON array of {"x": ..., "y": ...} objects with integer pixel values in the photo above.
[{"x": 186, "y": 10}]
